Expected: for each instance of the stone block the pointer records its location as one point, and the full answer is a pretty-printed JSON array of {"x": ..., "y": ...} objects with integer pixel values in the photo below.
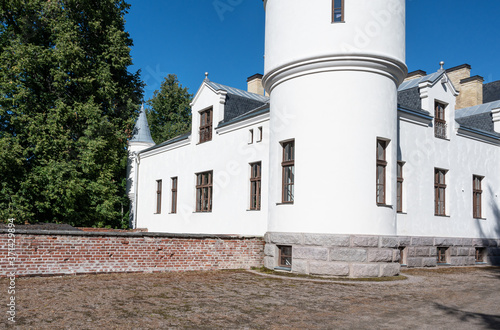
[
  {"x": 480, "y": 242},
  {"x": 404, "y": 241},
  {"x": 429, "y": 262},
  {"x": 494, "y": 260},
  {"x": 493, "y": 251},
  {"x": 364, "y": 241},
  {"x": 457, "y": 261},
  {"x": 447, "y": 241},
  {"x": 309, "y": 253},
  {"x": 348, "y": 254},
  {"x": 472, "y": 252},
  {"x": 365, "y": 270},
  {"x": 380, "y": 255},
  {"x": 391, "y": 269},
  {"x": 269, "y": 262},
  {"x": 422, "y": 252},
  {"x": 433, "y": 252},
  {"x": 470, "y": 261},
  {"x": 466, "y": 242},
  {"x": 463, "y": 251},
  {"x": 326, "y": 240},
  {"x": 300, "y": 266},
  {"x": 389, "y": 242},
  {"x": 267, "y": 237},
  {"x": 422, "y": 241},
  {"x": 452, "y": 251},
  {"x": 492, "y": 242},
  {"x": 396, "y": 255},
  {"x": 414, "y": 262},
  {"x": 411, "y": 251},
  {"x": 328, "y": 268},
  {"x": 270, "y": 250},
  {"x": 285, "y": 238}
]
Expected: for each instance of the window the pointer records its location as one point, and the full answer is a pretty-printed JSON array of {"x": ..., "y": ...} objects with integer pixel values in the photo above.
[
  {"x": 338, "y": 11},
  {"x": 400, "y": 187},
  {"x": 250, "y": 136},
  {"x": 480, "y": 255},
  {"x": 174, "y": 195},
  {"x": 259, "y": 134},
  {"x": 285, "y": 256},
  {"x": 255, "y": 186},
  {"x": 204, "y": 192},
  {"x": 402, "y": 255},
  {"x": 381, "y": 166},
  {"x": 439, "y": 191},
  {"x": 476, "y": 196},
  {"x": 206, "y": 125},
  {"x": 440, "y": 120},
  {"x": 442, "y": 255},
  {"x": 158, "y": 196},
  {"x": 288, "y": 176}
]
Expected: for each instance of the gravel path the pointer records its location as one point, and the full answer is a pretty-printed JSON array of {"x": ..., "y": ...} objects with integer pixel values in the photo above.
[{"x": 446, "y": 298}]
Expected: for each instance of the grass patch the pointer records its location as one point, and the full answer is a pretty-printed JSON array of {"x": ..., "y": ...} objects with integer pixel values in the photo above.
[{"x": 346, "y": 279}]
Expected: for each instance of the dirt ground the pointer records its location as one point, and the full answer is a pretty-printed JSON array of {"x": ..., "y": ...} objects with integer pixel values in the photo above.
[{"x": 448, "y": 298}]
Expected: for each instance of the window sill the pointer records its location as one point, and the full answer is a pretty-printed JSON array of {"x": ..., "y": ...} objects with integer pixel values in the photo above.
[
  {"x": 481, "y": 263},
  {"x": 250, "y": 210},
  {"x": 285, "y": 203},
  {"x": 441, "y": 138},
  {"x": 479, "y": 218},
  {"x": 338, "y": 22},
  {"x": 172, "y": 213},
  {"x": 385, "y": 205},
  {"x": 442, "y": 215},
  {"x": 401, "y": 212},
  {"x": 203, "y": 142},
  {"x": 201, "y": 212}
]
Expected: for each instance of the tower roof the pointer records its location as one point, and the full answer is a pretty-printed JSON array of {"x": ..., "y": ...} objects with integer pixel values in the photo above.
[{"x": 141, "y": 132}]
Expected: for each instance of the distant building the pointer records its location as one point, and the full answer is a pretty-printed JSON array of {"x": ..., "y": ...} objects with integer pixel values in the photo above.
[{"x": 351, "y": 166}]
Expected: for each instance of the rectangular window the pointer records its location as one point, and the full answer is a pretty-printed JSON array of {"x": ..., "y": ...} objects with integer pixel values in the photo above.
[
  {"x": 400, "y": 186},
  {"x": 259, "y": 134},
  {"x": 158, "y": 196},
  {"x": 480, "y": 255},
  {"x": 476, "y": 196},
  {"x": 338, "y": 11},
  {"x": 255, "y": 186},
  {"x": 288, "y": 175},
  {"x": 442, "y": 257},
  {"x": 174, "y": 195},
  {"x": 440, "y": 126},
  {"x": 381, "y": 170},
  {"x": 440, "y": 191},
  {"x": 206, "y": 125},
  {"x": 402, "y": 255},
  {"x": 204, "y": 191},
  {"x": 285, "y": 256},
  {"x": 250, "y": 136}
]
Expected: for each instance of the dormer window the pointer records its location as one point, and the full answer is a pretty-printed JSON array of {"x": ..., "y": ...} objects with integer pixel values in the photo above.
[
  {"x": 338, "y": 11},
  {"x": 440, "y": 126},
  {"x": 206, "y": 125}
]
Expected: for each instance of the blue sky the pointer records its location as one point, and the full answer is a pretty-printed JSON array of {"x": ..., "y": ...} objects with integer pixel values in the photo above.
[{"x": 226, "y": 38}]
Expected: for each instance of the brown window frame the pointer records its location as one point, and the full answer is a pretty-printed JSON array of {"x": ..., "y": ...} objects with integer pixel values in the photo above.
[
  {"x": 206, "y": 120},
  {"x": 288, "y": 186},
  {"x": 440, "y": 126},
  {"x": 259, "y": 136},
  {"x": 255, "y": 185},
  {"x": 284, "y": 256},
  {"x": 175, "y": 182},
  {"x": 403, "y": 255},
  {"x": 439, "y": 186},
  {"x": 380, "y": 184},
  {"x": 204, "y": 191},
  {"x": 337, "y": 9},
  {"x": 158, "y": 196},
  {"x": 400, "y": 181},
  {"x": 480, "y": 255},
  {"x": 442, "y": 255},
  {"x": 477, "y": 196}
]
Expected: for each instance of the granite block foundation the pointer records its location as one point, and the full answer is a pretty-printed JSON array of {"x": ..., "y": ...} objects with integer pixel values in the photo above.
[{"x": 373, "y": 256}]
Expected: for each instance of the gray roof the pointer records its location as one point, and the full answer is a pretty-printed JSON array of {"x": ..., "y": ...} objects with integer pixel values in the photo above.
[
  {"x": 482, "y": 122},
  {"x": 252, "y": 113},
  {"x": 491, "y": 91},
  {"x": 141, "y": 132},
  {"x": 171, "y": 141},
  {"x": 238, "y": 92},
  {"x": 410, "y": 98},
  {"x": 478, "y": 109},
  {"x": 432, "y": 78}
]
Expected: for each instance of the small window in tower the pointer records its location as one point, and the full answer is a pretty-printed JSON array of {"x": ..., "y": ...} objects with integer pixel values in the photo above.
[{"x": 338, "y": 11}]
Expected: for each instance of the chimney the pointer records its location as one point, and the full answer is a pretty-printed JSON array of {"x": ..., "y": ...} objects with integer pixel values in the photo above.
[
  {"x": 495, "y": 113},
  {"x": 471, "y": 92},
  {"x": 415, "y": 74},
  {"x": 458, "y": 73},
  {"x": 255, "y": 84}
]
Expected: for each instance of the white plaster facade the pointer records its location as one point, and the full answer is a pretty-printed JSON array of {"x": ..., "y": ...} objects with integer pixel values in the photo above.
[{"x": 334, "y": 90}]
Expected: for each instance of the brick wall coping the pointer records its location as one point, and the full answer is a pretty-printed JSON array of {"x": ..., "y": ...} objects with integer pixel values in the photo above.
[{"x": 129, "y": 234}]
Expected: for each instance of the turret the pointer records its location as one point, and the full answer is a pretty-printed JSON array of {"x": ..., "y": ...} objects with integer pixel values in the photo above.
[{"x": 141, "y": 140}]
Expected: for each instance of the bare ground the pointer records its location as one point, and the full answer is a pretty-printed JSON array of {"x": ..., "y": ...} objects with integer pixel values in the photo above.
[{"x": 446, "y": 298}]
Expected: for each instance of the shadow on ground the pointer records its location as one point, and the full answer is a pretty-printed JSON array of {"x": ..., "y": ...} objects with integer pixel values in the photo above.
[{"x": 490, "y": 321}]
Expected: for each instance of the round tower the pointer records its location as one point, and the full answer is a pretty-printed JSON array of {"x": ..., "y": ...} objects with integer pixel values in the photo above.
[{"x": 332, "y": 68}]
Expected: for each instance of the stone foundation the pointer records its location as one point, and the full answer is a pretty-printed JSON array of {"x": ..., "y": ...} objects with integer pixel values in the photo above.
[{"x": 372, "y": 256}]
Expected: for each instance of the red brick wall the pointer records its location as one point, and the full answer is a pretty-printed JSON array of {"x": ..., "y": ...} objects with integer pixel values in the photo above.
[{"x": 45, "y": 254}]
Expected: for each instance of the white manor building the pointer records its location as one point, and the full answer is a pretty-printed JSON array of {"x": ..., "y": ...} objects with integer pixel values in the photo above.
[{"x": 350, "y": 167}]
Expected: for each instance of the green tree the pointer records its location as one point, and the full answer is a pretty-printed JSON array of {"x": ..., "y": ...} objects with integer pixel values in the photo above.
[
  {"x": 170, "y": 114},
  {"x": 67, "y": 102}
]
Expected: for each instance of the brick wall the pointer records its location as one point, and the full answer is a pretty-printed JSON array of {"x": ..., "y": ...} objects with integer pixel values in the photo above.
[{"x": 55, "y": 253}]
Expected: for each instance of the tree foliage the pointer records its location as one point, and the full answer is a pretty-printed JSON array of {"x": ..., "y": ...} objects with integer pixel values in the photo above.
[
  {"x": 170, "y": 113},
  {"x": 66, "y": 103}
]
